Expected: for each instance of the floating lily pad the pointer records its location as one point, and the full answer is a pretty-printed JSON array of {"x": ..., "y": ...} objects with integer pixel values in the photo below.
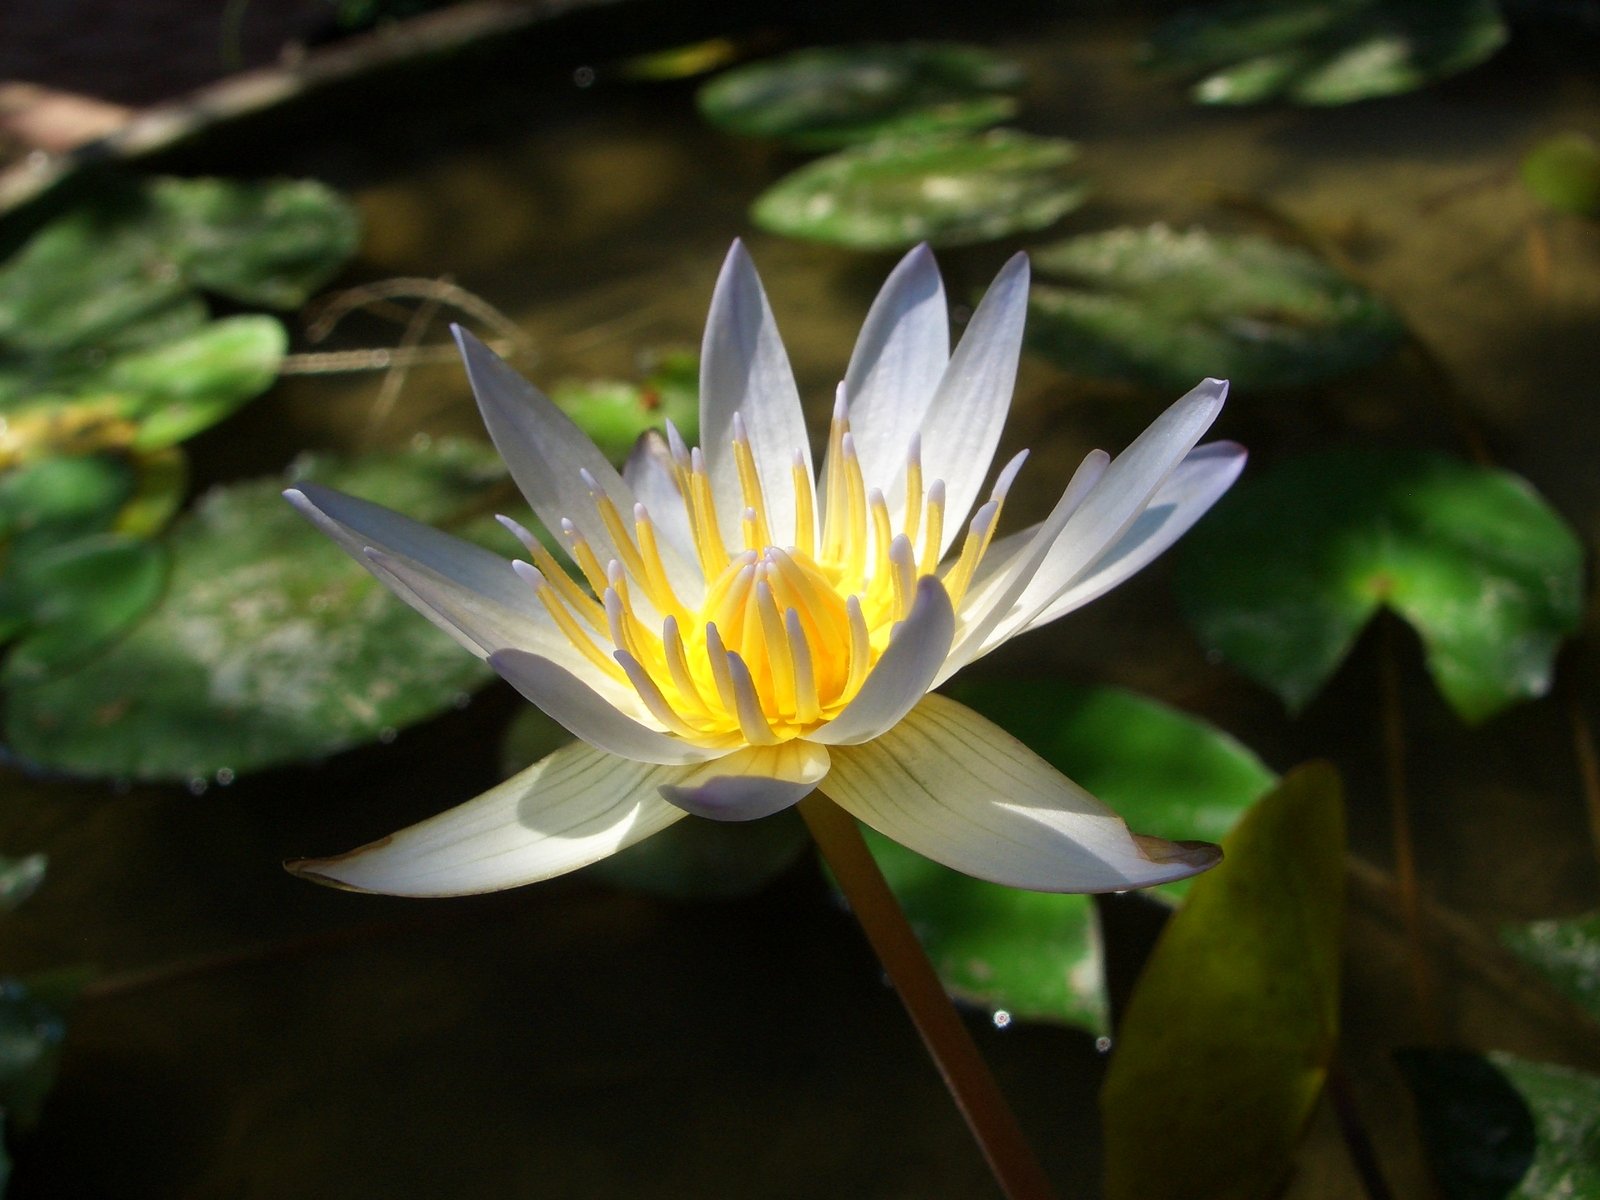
[
  {"x": 1166, "y": 308},
  {"x": 64, "y": 495},
  {"x": 19, "y": 879},
  {"x": 1324, "y": 51},
  {"x": 822, "y": 98},
  {"x": 947, "y": 189},
  {"x": 1282, "y": 576},
  {"x": 270, "y": 645},
  {"x": 1567, "y": 953},
  {"x": 73, "y": 600},
  {"x": 1495, "y": 1127},
  {"x": 614, "y": 413},
  {"x": 1564, "y": 172},
  {"x": 1037, "y": 956},
  {"x": 1227, "y": 1039}
]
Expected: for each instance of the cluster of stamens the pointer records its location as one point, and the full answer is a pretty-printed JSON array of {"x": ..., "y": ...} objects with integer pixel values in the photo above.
[{"x": 784, "y": 635}]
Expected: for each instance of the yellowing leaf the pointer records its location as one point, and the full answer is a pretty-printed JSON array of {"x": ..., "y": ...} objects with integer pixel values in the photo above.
[{"x": 1225, "y": 1044}]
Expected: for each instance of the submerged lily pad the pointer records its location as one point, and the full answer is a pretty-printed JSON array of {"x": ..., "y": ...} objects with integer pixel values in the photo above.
[
  {"x": 1566, "y": 952},
  {"x": 947, "y": 189},
  {"x": 1166, "y": 308},
  {"x": 1564, "y": 172},
  {"x": 836, "y": 96},
  {"x": 1283, "y": 575},
  {"x": 1037, "y": 956},
  {"x": 614, "y": 413},
  {"x": 1235, "y": 1017},
  {"x": 270, "y": 645},
  {"x": 1495, "y": 1126},
  {"x": 1324, "y": 51}
]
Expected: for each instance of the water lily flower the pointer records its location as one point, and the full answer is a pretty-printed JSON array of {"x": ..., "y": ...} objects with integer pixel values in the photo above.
[{"x": 753, "y": 629}]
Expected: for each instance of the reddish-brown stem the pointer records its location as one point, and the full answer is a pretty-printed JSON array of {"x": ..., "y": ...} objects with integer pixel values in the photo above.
[
  {"x": 1405, "y": 860},
  {"x": 977, "y": 1095},
  {"x": 1588, "y": 762}
]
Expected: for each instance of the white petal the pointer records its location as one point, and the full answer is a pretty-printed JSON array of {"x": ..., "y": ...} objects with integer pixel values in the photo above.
[
  {"x": 963, "y": 792},
  {"x": 649, "y": 473},
  {"x": 968, "y": 410},
  {"x": 458, "y": 574},
  {"x": 916, "y": 651},
  {"x": 571, "y": 809},
  {"x": 1126, "y": 488},
  {"x": 745, "y": 369},
  {"x": 575, "y": 705},
  {"x": 478, "y": 623},
  {"x": 1197, "y": 484},
  {"x": 547, "y": 454},
  {"x": 755, "y": 782},
  {"x": 898, "y": 361}
]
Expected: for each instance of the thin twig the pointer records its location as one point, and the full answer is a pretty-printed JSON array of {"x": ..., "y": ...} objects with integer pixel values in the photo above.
[
  {"x": 395, "y": 380},
  {"x": 994, "y": 1126},
  {"x": 1363, "y": 1156},
  {"x": 380, "y": 358},
  {"x": 1583, "y": 749},
  {"x": 1405, "y": 859},
  {"x": 332, "y": 309}
]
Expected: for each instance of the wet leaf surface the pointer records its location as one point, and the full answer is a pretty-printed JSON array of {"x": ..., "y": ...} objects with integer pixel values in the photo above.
[
  {"x": 1169, "y": 308},
  {"x": 824, "y": 98},
  {"x": 1566, "y": 952},
  {"x": 1324, "y": 51},
  {"x": 1495, "y": 1127},
  {"x": 270, "y": 645},
  {"x": 947, "y": 189},
  {"x": 1225, "y": 1045},
  {"x": 1283, "y": 575}
]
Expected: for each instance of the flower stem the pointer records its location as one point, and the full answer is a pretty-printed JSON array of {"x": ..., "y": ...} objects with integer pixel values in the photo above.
[{"x": 994, "y": 1126}]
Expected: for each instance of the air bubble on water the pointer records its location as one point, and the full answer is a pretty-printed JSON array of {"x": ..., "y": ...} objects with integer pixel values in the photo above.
[
  {"x": 461, "y": 699},
  {"x": 1103, "y": 1044},
  {"x": 224, "y": 776},
  {"x": 1001, "y": 1018},
  {"x": 1214, "y": 658},
  {"x": 197, "y": 785},
  {"x": 387, "y": 734},
  {"x": 583, "y": 77}
]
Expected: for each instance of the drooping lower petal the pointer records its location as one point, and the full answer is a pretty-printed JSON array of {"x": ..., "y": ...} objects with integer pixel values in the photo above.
[
  {"x": 750, "y": 783},
  {"x": 573, "y": 808},
  {"x": 960, "y": 790}
]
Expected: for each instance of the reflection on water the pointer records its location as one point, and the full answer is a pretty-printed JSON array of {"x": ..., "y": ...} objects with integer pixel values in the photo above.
[{"x": 571, "y": 1041}]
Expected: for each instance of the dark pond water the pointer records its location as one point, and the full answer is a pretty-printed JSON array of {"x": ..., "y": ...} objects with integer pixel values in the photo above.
[{"x": 255, "y": 1036}]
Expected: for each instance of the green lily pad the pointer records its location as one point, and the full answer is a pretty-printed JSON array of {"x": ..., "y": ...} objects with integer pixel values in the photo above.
[
  {"x": 75, "y": 599},
  {"x": 1564, "y": 172},
  {"x": 270, "y": 645},
  {"x": 1228, "y": 1035},
  {"x": 614, "y": 413},
  {"x": 273, "y": 243},
  {"x": 1030, "y": 955},
  {"x": 947, "y": 189},
  {"x": 1495, "y": 1127},
  {"x": 19, "y": 879},
  {"x": 1037, "y": 956},
  {"x": 820, "y": 99},
  {"x": 1282, "y": 576},
  {"x": 1165, "y": 308},
  {"x": 182, "y": 387},
  {"x": 1566, "y": 952},
  {"x": 62, "y": 496},
  {"x": 1324, "y": 51}
]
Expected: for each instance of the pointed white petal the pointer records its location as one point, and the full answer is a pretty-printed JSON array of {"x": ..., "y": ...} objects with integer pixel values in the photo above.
[
  {"x": 476, "y": 578},
  {"x": 917, "y": 649},
  {"x": 968, "y": 410},
  {"x": 1191, "y": 490},
  {"x": 963, "y": 792},
  {"x": 547, "y": 453},
  {"x": 898, "y": 361},
  {"x": 745, "y": 369},
  {"x": 571, "y": 809},
  {"x": 576, "y": 706},
  {"x": 1126, "y": 488},
  {"x": 649, "y": 473},
  {"x": 755, "y": 782}
]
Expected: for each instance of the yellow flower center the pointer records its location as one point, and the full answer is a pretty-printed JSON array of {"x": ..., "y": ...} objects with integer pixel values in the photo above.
[{"x": 785, "y": 634}]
